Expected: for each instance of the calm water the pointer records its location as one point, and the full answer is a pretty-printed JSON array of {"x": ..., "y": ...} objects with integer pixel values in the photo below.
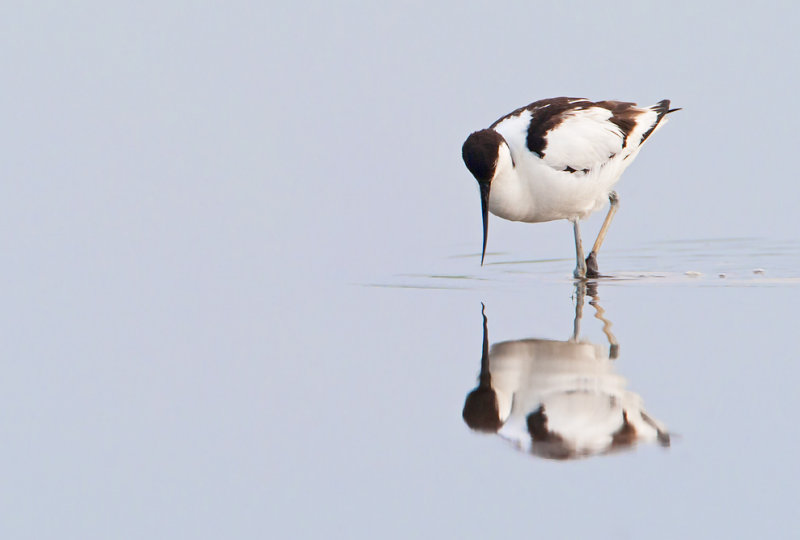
[
  {"x": 709, "y": 353},
  {"x": 343, "y": 415}
]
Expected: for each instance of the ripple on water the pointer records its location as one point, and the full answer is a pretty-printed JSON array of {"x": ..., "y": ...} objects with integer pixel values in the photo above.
[{"x": 695, "y": 262}]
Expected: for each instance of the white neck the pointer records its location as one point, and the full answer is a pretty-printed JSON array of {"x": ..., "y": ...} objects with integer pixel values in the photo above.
[{"x": 508, "y": 197}]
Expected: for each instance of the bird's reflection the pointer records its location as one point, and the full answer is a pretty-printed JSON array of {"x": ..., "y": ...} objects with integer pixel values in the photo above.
[{"x": 559, "y": 399}]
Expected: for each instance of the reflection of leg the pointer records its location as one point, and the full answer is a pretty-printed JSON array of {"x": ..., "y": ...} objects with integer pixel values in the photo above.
[
  {"x": 613, "y": 349},
  {"x": 580, "y": 294},
  {"x": 580, "y": 269},
  {"x": 591, "y": 260},
  {"x": 661, "y": 432}
]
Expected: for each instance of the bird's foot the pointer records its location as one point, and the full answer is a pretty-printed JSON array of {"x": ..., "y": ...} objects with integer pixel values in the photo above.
[{"x": 591, "y": 266}]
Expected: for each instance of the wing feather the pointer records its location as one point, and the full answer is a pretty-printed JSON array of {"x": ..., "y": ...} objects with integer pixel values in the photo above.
[
  {"x": 585, "y": 139},
  {"x": 575, "y": 134}
]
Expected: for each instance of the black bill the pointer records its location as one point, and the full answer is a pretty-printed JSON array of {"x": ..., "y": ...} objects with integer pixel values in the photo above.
[{"x": 485, "y": 213}]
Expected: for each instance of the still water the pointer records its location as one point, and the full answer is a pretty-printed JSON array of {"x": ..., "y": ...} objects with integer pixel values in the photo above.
[
  {"x": 653, "y": 403},
  {"x": 504, "y": 402}
]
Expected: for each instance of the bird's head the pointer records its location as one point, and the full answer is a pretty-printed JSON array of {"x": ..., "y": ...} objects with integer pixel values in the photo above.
[{"x": 483, "y": 152}]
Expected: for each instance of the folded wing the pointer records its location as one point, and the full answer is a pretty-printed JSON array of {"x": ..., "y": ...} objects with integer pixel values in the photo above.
[{"x": 574, "y": 134}]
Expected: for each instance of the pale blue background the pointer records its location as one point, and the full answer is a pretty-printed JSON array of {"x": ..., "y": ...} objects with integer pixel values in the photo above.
[{"x": 198, "y": 199}]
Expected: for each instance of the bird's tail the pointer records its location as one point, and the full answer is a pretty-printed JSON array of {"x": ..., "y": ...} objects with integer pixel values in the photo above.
[{"x": 661, "y": 109}]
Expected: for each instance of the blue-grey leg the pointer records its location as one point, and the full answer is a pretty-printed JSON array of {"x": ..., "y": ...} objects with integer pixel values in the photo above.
[
  {"x": 580, "y": 269},
  {"x": 591, "y": 260}
]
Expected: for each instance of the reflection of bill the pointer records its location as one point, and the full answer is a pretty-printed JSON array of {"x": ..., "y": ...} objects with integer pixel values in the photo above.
[{"x": 558, "y": 399}]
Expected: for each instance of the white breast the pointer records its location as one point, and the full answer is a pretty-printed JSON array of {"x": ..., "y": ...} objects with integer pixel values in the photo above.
[{"x": 534, "y": 192}]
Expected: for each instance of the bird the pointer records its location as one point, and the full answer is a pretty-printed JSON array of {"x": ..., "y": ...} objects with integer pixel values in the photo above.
[{"x": 559, "y": 158}]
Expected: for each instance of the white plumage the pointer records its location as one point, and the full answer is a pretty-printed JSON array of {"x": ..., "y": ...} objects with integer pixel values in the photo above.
[{"x": 558, "y": 159}]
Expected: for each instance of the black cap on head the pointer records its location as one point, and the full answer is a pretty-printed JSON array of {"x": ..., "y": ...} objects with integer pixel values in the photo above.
[{"x": 480, "y": 152}]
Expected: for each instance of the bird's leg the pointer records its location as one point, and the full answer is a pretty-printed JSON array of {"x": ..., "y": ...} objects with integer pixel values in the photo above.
[
  {"x": 591, "y": 260},
  {"x": 580, "y": 269}
]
